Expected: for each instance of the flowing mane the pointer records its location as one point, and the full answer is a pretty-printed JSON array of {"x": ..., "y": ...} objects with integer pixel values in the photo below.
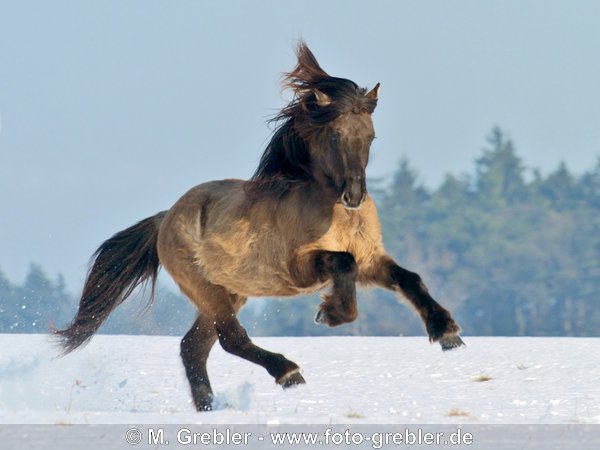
[{"x": 286, "y": 161}]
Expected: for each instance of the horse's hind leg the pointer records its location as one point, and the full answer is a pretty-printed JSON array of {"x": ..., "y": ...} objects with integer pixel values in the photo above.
[
  {"x": 234, "y": 339},
  {"x": 195, "y": 347},
  {"x": 219, "y": 309}
]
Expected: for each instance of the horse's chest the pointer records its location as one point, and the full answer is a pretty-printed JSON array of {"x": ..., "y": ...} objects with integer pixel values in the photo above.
[
  {"x": 350, "y": 233},
  {"x": 342, "y": 234}
]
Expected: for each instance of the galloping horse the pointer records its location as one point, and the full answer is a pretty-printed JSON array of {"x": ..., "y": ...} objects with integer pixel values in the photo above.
[{"x": 302, "y": 223}]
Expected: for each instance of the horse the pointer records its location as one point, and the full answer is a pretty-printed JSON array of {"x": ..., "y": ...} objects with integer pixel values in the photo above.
[{"x": 303, "y": 222}]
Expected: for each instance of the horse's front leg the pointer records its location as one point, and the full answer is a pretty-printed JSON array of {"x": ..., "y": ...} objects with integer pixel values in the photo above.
[
  {"x": 438, "y": 321},
  {"x": 339, "y": 306}
]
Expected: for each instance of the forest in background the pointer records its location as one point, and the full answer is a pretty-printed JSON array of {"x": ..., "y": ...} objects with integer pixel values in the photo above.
[{"x": 510, "y": 251}]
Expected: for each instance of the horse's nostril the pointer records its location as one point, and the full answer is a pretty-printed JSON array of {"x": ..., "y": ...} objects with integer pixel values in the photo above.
[{"x": 346, "y": 197}]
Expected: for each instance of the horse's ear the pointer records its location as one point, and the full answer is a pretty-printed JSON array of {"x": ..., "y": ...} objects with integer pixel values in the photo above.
[
  {"x": 373, "y": 94},
  {"x": 322, "y": 98}
]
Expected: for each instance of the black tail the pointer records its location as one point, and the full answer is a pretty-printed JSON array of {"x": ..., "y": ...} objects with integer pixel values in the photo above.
[{"x": 120, "y": 264}]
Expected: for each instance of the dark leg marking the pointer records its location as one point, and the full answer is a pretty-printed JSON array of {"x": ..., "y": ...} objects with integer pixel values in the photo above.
[
  {"x": 234, "y": 339},
  {"x": 339, "y": 306},
  {"x": 195, "y": 347},
  {"x": 438, "y": 321}
]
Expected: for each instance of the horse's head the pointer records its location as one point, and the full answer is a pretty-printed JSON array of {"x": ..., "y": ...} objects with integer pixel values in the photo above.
[
  {"x": 325, "y": 135},
  {"x": 334, "y": 119},
  {"x": 339, "y": 149}
]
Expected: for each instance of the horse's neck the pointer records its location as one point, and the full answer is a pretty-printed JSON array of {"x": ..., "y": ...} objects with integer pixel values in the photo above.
[{"x": 319, "y": 196}]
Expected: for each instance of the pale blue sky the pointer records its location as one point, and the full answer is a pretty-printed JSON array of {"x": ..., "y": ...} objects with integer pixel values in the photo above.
[{"x": 111, "y": 110}]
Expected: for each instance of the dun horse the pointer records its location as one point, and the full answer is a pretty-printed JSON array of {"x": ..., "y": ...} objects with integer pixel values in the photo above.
[{"x": 302, "y": 223}]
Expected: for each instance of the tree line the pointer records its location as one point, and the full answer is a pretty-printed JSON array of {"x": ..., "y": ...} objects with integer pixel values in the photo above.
[{"x": 511, "y": 252}]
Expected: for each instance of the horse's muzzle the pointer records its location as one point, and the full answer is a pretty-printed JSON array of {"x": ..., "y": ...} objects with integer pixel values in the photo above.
[{"x": 354, "y": 194}]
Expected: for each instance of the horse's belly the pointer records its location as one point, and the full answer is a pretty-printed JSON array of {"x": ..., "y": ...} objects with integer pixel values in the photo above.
[
  {"x": 248, "y": 266},
  {"x": 249, "y": 279}
]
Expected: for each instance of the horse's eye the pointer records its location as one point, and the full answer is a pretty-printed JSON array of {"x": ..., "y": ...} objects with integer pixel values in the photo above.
[{"x": 334, "y": 138}]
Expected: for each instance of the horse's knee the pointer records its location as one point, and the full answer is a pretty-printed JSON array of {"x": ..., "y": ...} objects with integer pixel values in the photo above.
[
  {"x": 405, "y": 277},
  {"x": 343, "y": 263},
  {"x": 407, "y": 280}
]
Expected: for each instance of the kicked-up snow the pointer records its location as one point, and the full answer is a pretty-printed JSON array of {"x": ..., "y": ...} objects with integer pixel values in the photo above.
[{"x": 375, "y": 380}]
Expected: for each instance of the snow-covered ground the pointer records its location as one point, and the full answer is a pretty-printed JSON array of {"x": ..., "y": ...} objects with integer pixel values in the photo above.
[{"x": 140, "y": 379}]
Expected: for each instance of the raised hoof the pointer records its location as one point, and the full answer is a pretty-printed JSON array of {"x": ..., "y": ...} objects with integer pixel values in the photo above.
[
  {"x": 332, "y": 316},
  {"x": 291, "y": 379},
  {"x": 451, "y": 342},
  {"x": 320, "y": 317}
]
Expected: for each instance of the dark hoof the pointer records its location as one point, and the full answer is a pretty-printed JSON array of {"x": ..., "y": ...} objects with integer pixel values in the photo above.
[
  {"x": 451, "y": 342},
  {"x": 327, "y": 318},
  {"x": 320, "y": 317},
  {"x": 332, "y": 315},
  {"x": 291, "y": 379},
  {"x": 204, "y": 405},
  {"x": 440, "y": 324}
]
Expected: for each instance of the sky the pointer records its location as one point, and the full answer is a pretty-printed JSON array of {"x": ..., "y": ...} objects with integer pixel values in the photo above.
[{"x": 110, "y": 111}]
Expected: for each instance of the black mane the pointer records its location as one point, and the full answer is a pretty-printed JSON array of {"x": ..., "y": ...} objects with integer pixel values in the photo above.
[{"x": 286, "y": 159}]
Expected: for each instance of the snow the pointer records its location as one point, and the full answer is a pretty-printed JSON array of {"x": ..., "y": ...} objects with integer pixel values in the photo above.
[{"x": 373, "y": 380}]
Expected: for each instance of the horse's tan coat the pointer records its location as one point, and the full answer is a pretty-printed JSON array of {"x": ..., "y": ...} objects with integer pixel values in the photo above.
[{"x": 224, "y": 240}]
